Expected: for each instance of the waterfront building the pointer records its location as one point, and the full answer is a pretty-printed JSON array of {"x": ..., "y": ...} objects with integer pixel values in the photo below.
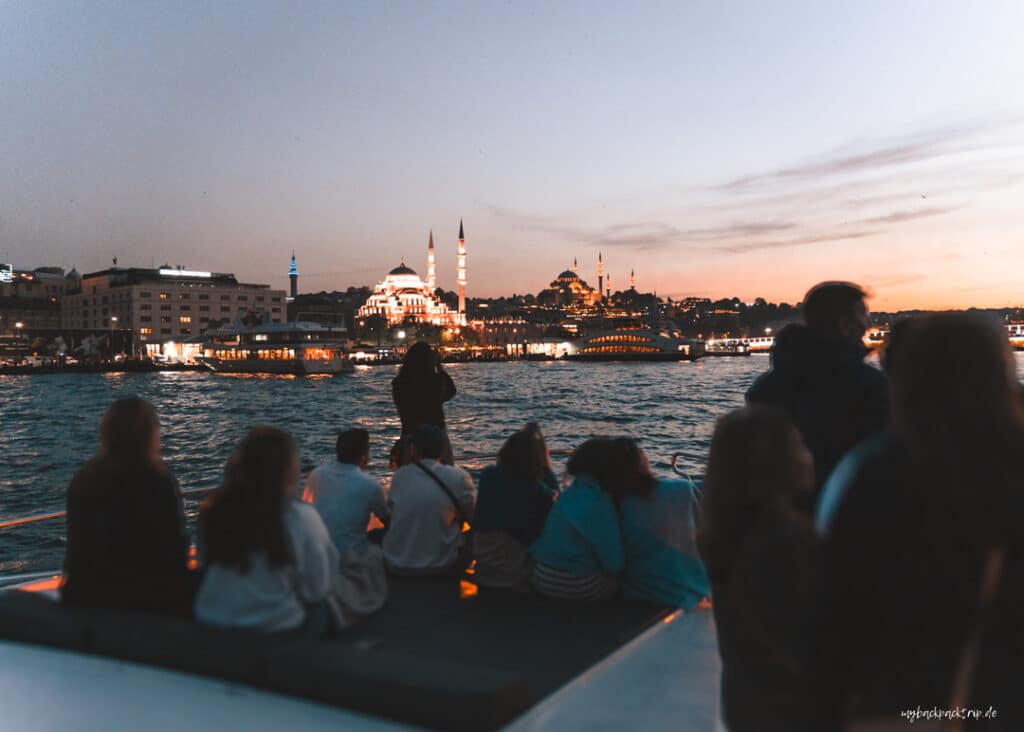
[
  {"x": 166, "y": 304},
  {"x": 403, "y": 297},
  {"x": 30, "y": 300}
]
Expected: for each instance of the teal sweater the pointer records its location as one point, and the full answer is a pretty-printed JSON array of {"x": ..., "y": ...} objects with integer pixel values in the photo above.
[{"x": 581, "y": 535}]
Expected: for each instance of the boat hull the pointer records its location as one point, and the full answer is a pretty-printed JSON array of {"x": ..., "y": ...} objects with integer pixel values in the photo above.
[
  {"x": 642, "y": 357},
  {"x": 293, "y": 367}
]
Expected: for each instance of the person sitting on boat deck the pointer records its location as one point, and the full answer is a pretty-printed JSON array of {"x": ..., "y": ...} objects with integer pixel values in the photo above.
[
  {"x": 401, "y": 452},
  {"x": 759, "y": 549},
  {"x": 347, "y": 499},
  {"x": 429, "y": 503},
  {"x": 579, "y": 553},
  {"x": 514, "y": 497},
  {"x": 912, "y": 592},
  {"x": 270, "y": 563},
  {"x": 420, "y": 390},
  {"x": 659, "y": 529},
  {"x": 127, "y": 543},
  {"x": 819, "y": 377}
]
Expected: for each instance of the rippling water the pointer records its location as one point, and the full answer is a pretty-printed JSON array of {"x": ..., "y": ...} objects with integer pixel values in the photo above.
[{"x": 48, "y": 424}]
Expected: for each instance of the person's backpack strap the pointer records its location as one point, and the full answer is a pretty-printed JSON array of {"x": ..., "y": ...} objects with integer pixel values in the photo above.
[{"x": 447, "y": 491}]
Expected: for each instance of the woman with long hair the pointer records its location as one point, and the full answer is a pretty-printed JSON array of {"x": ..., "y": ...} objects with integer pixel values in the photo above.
[
  {"x": 127, "y": 545},
  {"x": 513, "y": 501},
  {"x": 659, "y": 527},
  {"x": 270, "y": 563},
  {"x": 903, "y": 607},
  {"x": 579, "y": 554},
  {"x": 758, "y": 547}
]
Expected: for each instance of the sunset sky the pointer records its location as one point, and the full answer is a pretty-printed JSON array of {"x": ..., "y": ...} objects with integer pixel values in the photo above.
[{"x": 720, "y": 149}]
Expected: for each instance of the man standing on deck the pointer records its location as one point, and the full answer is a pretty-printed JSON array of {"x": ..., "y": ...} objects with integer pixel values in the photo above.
[{"x": 819, "y": 378}]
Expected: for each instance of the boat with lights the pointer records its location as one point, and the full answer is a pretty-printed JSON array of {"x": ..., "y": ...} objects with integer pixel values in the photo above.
[
  {"x": 298, "y": 348},
  {"x": 633, "y": 339}
]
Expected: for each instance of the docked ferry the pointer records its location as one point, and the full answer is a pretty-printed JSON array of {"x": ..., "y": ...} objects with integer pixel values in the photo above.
[
  {"x": 633, "y": 339},
  {"x": 299, "y": 348}
]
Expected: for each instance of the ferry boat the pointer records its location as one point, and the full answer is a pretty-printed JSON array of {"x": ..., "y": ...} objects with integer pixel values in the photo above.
[
  {"x": 299, "y": 348},
  {"x": 633, "y": 339}
]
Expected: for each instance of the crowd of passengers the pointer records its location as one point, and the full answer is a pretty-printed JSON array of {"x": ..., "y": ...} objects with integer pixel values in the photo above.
[{"x": 856, "y": 532}]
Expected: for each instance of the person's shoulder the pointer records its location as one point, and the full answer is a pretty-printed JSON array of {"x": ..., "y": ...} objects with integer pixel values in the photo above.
[
  {"x": 453, "y": 472},
  {"x": 871, "y": 376},
  {"x": 303, "y": 517},
  {"x": 491, "y": 474},
  {"x": 876, "y": 480}
]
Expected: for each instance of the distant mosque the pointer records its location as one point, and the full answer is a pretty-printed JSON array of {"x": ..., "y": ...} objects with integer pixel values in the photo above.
[
  {"x": 402, "y": 296},
  {"x": 571, "y": 290}
]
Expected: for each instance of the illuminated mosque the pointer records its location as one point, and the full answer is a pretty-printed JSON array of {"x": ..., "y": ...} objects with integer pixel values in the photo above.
[
  {"x": 572, "y": 291},
  {"x": 403, "y": 296}
]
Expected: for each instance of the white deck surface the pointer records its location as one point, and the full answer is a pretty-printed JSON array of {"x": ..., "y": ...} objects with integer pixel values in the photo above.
[
  {"x": 42, "y": 689},
  {"x": 667, "y": 679}
]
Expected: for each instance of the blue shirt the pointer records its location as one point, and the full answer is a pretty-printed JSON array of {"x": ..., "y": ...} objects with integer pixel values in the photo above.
[
  {"x": 659, "y": 536},
  {"x": 581, "y": 535},
  {"x": 346, "y": 497},
  {"x": 517, "y": 506}
]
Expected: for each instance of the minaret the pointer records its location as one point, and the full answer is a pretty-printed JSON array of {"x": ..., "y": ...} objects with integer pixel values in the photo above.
[
  {"x": 462, "y": 273},
  {"x": 600, "y": 275},
  {"x": 293, "y": 275},
  {"x": 575, "y": 266},
  {"x": 431, "y": 271},
  {"x": 609, "y": 281},
  {"x": 632, "y": 279}
]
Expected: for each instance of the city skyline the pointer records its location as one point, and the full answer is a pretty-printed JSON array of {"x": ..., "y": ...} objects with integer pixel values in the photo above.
[{"x": 717, "y": 152}]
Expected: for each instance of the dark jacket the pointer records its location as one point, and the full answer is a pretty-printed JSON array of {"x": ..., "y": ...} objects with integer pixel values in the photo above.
[
  {"x": 419, "y": 400},
  {"x": 514, "y": 505},
  {"x": 834, "y": 398},
  {"x": 762, "y": 608},
  {"x": 127, "y": 543},
  {"x": 896, "y": 603}
]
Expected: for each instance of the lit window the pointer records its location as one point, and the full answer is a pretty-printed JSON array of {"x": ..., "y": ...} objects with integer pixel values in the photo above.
[
  {"x": 164, "y": 295},
  {"x": 185, "y": 319}
]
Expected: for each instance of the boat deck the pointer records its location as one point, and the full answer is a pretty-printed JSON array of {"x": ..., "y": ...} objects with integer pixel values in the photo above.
[{"x": 442, "y": 654}]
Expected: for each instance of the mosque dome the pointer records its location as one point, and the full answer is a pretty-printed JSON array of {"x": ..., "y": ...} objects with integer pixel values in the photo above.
[{"x": 402, "y": 269}]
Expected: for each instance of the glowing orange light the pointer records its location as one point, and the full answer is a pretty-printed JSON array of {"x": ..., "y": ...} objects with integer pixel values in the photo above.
[
  {"x": 467, "y": 590},
  {"x": 46, "y": 585}
]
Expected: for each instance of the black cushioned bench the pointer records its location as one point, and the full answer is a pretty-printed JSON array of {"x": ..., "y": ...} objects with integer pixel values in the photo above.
[{"x": 431, "y": 657}]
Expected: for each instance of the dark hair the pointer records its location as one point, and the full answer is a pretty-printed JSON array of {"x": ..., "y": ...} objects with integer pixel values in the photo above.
[
  {"x": 617, "y": 464},
  {"x": 128, "y": 428},
  {"x": 400, "y": 451},
  {"x": 753, "y": 467},
  {"x": 430, "y": 440},
  {"x": 244, "y": 515},
  {"x": 352, "y": 445},
  {"x": 420, "y": 361},
  {"x": 523, "y": 455},
  {"x": 827, "y": 303},
  {"x": 956, "y": 404}
]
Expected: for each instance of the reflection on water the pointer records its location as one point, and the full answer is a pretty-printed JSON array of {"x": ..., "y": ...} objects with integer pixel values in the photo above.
[{"x": 48, "y": 423}]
